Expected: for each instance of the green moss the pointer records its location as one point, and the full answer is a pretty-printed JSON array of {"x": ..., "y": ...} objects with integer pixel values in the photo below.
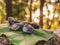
[{"x": 20, "y": 38}]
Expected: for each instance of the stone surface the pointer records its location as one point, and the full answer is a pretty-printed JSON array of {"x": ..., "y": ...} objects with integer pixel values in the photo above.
[
  {"x": 57, "y": 33},
  {"x": 4, "y": 40},
  {"x": 55, "y": 40}
]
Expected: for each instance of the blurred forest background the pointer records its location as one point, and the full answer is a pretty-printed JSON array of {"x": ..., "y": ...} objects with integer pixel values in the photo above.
[{"x": 45, "y": 13}]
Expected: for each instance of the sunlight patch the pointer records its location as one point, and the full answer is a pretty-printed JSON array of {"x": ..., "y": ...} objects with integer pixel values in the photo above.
[
  {"x": 19, "y": 37},
  {"x": 10, "y": 33},
  {"x": 27, "y": 42}
]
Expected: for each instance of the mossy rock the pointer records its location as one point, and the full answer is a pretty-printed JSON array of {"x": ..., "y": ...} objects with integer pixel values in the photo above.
[{"x": 21, "y": 38}]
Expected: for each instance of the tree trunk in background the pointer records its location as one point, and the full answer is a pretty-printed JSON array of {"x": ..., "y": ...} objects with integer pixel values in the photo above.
[
  {"x": 58, "y": 1},
  {"x": 48, "y": 26},
  {"x": 41, "y": 13},
  {"x": 30, "y": 9},
  {"x": 48, "y": 21},
  {"x": 8, "y": 8}
]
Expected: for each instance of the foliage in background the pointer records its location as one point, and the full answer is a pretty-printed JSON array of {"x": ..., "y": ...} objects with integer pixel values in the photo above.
[
  {"x": 18, "y": 9},
  {"x": 2, "y": 11}
]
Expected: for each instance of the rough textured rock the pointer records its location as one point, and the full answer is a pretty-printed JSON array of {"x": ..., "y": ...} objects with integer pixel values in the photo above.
[
  {"x": 40, "y": 42},
  {"x": 34, "y": 25},
  {"x": 12, "y": 21},
  {"x": 27, "y": 29},
  {"x": 55, "y": 40},
  {"x": 4, "y": 40}
]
